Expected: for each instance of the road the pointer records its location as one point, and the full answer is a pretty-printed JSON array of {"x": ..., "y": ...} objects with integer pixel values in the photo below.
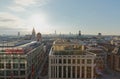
[{"x": 43, "y": 72}]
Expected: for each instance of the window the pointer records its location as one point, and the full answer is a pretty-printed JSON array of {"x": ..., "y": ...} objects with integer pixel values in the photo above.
[
  {"x": 22, "y": 78},
  {"x": 89, "y": 72},
  {"x": 1, "y": 73},
  {"x": 1, "y": 59},
  {"x": 15, "y": 60},
  {"x": 64, "y": 61},
  {"x": 8, "y": 73},
  {"x": 78, "y": 61},
  {"x": 78, "y": 71},
  {"x": 73, "y": 71},
  {"x": 16, "y": 78},
  {"x": 15, "y": 66},
  {"x": 119, "y": 63},
  {"x": 22, "y": 66},
  {"x": 8, "y": 65},
  {"x": 22, "y": 73},
  {"x": 56, "y": 61},
  {"x": 51, "y": 61},
  {"x": 8, "y": 60},
  {"x": 64, "y": 71},
  {"x": 83, "y": 61},
  {"x": 8, "y": 78},
  {"x": 69, "y": 71},
  {"x": 89, "y": 61},
  {"x": 69, "y": 61},
  {"x": 52, "y": 72},
  {"x": 1, "y": 65},
  {"x": 83, "y": 71},
  {"x": 74, "y": 61},
  {"x": 22, "y": 59},
  {"x": 15, "y": 73},
  {"x": 60, "y": 61},
  {"x": 56, "y": 71},
  {"x": 60, "y": 71}
]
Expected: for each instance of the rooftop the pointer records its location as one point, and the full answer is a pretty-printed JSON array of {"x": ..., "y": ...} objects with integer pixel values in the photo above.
[
  {"x": 20, "y": 49},
  {"x": 69, "y": 52},
  {"x": 62, "y": 41}
]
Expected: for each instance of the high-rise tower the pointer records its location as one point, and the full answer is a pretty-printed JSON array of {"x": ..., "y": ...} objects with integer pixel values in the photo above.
[
  {"x": 18, "y": 34},
  {"x": 79, "y": 33}
]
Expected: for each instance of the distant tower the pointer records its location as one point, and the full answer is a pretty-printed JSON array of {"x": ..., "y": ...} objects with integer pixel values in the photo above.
[
  {"x": 33, "y": 34},
  {"x": 99, "y": 34},
  {"x": 39, "y": 37},
  {"x": 18, "y": 34},
  {"x": 55, "y": 32},
  {"x": 79, "y": 33}
]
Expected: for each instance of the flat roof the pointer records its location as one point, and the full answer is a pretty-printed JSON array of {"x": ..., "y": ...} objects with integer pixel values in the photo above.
[
  {"x": 69, "y": 52},
  {"x": 21, "y": 49}
]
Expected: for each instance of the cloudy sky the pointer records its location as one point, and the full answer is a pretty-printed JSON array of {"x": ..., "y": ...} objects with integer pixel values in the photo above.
[{"x": 64, "y": 16}]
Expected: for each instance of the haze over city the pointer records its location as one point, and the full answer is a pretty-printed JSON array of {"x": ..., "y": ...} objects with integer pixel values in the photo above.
[
  {"x": 64, "y": 16},
  {"x": 59, "y": 39}
]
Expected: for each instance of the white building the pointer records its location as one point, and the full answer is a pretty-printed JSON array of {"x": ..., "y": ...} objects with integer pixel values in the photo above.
[
  {"x": 21, "y": 62},
  {"x": 68, "y": 60}
]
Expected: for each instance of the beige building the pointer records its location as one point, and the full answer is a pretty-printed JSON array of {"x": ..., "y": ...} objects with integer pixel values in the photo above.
[
  {"x": 114, "y": 59},
  {"x": 101, "y": 57},
  {"x": 68, "y": 60}
]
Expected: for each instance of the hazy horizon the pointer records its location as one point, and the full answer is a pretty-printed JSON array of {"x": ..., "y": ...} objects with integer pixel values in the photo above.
[{"x": 64, "y": 16}]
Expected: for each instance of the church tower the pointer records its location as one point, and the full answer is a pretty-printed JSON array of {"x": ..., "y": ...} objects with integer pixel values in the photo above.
[
  {"x": 39, "y": 37},
  {"x": 33, "y": 36}
]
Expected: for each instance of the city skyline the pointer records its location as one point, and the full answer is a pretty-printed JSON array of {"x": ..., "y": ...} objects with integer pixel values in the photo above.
[{"x": 64, "y": 16}]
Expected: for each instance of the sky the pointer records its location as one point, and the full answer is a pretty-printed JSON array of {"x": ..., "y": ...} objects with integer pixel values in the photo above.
[{"x": 64, "y": 16}]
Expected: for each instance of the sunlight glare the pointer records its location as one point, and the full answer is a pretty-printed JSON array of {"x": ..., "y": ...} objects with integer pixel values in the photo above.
[{"x": 39, "y": 22}]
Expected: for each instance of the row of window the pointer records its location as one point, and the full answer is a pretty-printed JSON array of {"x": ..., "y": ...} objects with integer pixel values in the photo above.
[
  {"x": 10, "y": 78},
  {"x": 9, "y": 66},
  {"x": 71, "y": 61},
  {"x": 13, "y": 60},
  {"x": 119, "y": 63},
  {"x": 12, "y": 73},
  {"x": 71, "y": 72}
]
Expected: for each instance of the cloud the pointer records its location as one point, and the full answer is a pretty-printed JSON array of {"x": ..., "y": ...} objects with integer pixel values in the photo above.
[
  {"x": 11, "y": 24},
  {"x": 16, "y": 8},
  {"x": 21, "y": 5},
  {"x": 8, "y": 20},
  {"x": 25, "y": 2}
]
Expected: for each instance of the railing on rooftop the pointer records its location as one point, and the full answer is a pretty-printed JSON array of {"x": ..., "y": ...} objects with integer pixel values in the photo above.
[{"x": 69, "y": 52}]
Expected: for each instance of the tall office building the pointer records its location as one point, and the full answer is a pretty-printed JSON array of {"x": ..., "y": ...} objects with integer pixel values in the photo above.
[
  {"x": 79, "y": 33},
  {"x": 68, "y": 60},
  {"x": 18, "y": 34}
]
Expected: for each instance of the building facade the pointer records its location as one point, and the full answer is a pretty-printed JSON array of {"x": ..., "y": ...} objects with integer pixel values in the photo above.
[
  {"x": 114, "y": 59},
  {"x": 68, "y": 60},
  {"x": 101, "y": 58},
  {"x": 21, "y": 62}
]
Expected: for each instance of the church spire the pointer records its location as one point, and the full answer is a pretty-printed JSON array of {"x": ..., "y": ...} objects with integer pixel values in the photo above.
[{"x": 33, "y": 34}]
